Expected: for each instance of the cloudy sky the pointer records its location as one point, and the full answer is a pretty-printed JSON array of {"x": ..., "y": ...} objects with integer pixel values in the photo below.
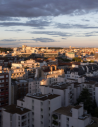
[{"x": 60, "y": 23}]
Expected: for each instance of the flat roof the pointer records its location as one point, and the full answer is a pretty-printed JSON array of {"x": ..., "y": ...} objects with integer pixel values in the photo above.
[
  {"x": 61, "y": 87},
  {"x": 90, "y": 82},
  {"x": 67, "y": 110},
  {"x": 96, "y": 85},
  {"x": 77, "y": 106},
  {"x": 64, "y": 110},
  {"x": 43, "y": 97},
  {"x": 95, "y": 123},
  {"x": 16, "y": 109}
]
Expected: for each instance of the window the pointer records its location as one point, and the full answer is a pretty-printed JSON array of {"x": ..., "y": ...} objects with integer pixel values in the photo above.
[
  {"x": 2, "y": 89},
  {"x": 32, "y": 113},
  {"x": 21, "y": 104},
  {"x": 67, "y": 119},
  {"x": 10, "y": 117},
  {"x": 67, "y": 125},
  {"x": 18, "y": 123},
  {"x": 18, "y": 117},
  {"x": 41, "y": 122},
  {"x": 2, "y": 80},
  {"x": 41, "y": 109},
  {"x": 41, "y": 103},
  {"x": 32, "y": 107},
  {"x": 33, "y": 119},
  {"x": 6, "y": 80},
  {"x": 6, "y": 76}
]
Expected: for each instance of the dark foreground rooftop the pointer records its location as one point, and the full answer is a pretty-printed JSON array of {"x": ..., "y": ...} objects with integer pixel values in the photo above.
[{"x": 16, "y": 109}]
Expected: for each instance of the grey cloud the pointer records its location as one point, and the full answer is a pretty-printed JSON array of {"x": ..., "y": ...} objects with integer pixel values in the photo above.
[
  {"x": 89, "y": 34},
  {"x": 36, "y": 8},
  {"x": 44, "y": 40},
  {"x": 63, "y": 38},
  {"x": 62, "y": 34},
  {"x": 86, "y": 20},
  {"x": 16, "y": 30},
  {"x": 8, "y": 40},
  {"x": 74, "y": 26},
  {"x": 9, "y": 19},
  {"x": 32, "y": 23},
  {"x": 86, "y": 34}
]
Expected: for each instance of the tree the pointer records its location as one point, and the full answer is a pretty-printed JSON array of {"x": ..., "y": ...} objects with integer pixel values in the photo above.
[
  {"x": 26, "y": 67},
  {"x": 86, "y": 98},
  {"x": 77, "y": 59},
  {"x": 65, "y": 60},
  {"x": 9, "y": 65},
  {"x": 92, "y": 61},
  {"x": 96, "y": 112}
]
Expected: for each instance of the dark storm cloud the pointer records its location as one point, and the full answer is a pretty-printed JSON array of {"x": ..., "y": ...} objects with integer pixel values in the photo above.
[
  {"x": 36, "y": 8},
  {"x": 44, "y": 40},
  {"x": 9, "y": 19},
  {"x": 62, "y": 34},
  {"x": 32, "y": 23}
]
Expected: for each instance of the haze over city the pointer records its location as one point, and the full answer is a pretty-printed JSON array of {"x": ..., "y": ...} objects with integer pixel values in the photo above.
[{"x": 59, "y": 23}]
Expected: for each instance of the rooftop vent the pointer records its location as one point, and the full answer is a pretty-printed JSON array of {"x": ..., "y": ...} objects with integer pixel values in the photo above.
[{"x": 21, "y": 109}]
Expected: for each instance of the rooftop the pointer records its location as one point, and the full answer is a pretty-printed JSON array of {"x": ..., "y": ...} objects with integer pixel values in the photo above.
[
  {"x": 77, "y": 106},
  {"x": 64, "y": 110},
  {"x": 61, "y": 86},
  {"x": 95, "y": 122},
  {"x": 42, "y": 97},
  {"x": 16, "y": 109},
  {"x": 90, "y": 82}
]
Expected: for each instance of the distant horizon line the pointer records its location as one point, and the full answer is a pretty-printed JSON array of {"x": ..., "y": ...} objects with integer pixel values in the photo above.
[{"x": 45, "y": 47}]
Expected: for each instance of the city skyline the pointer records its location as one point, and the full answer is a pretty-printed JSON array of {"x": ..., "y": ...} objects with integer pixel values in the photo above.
[{"x": 58, "y": 23}]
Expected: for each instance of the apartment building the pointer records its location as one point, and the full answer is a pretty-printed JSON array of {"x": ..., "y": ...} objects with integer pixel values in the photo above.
[
  {"x": 71, "y": 116},
  {"x": 69, "y": 92},
  {"x": 33, "y": 85},
  {"x": 19, "y": 89},
  {"x": 51, "y": 71},
  {"x": 41, "y": 106},
  {"x": 70, "y": 55},
  {"x": 19, "y": 73},
  {"x": 50, "y": 54},
  {"x": 16, "y": 116},
  {"x": 5, "y": 90}
]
